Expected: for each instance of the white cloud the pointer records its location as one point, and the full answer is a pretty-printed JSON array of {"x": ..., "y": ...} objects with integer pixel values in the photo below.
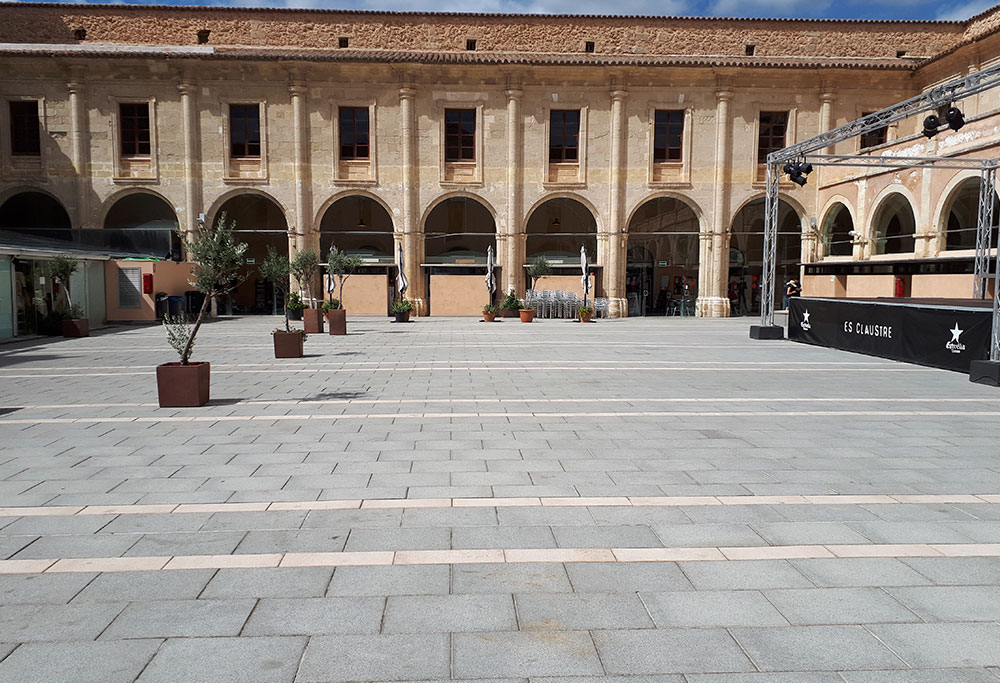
[
  {"x": 965, "y": 11},
  {"x": 769, "y": 8}
]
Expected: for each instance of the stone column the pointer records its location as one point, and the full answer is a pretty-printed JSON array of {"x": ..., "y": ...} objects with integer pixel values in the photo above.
[
  {"x": 826, "y": 100},
  {"x": 79, "y": 137},
  {"x": 412, "y": 246},
  {"x": 714, "y": 267},
  {"x": 302, "y": 235},
  {"x": 613, "y": 256},
  {"x": 192, "y": 167},
  {"x": 511, "y": 257}
]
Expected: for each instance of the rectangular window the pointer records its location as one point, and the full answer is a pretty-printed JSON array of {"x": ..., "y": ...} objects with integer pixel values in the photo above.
[
  {"x": 773, "y": 126},
  {"x": 668, "y": 133},
  {"x": 354, "y": 137},
  {"x": 875, "y": 137},
  {"x": 244, "y": 130},
  {"x": 459, "y": 134},
  {"x": 129, "y": 295},
  {"x": 564, "y": 135},
  {"x": 25, "y": 140},
  {"x": 135, "y": 129}
]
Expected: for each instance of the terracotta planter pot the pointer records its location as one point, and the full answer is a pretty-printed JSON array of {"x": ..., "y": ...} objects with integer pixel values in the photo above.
[
  {"x": 336, "y": 319},
  {"x": 489, "y": 317},
  {"x": 182, "y": 386},
  {"x": 527, "y": 315},
  {"x": 585, "y": 317},
  {"x": 313, "y": 318},
  {"x": 288, "y": 344},
  {"x": 77, "y": 327},
  {"x": 402, "y": 317},
  {"x": 295, "y": 315},
  {"x": 508, "y": 313}
]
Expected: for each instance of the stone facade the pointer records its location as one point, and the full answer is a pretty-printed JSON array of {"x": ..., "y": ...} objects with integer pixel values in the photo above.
[{"x": 407, "y": 69}]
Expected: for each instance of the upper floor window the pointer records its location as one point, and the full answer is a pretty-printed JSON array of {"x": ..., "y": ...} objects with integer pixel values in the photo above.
[
  {"x": 134, "y": 118},
  {"x": 459, "y": 134},
  {"x": 354, "y": 138},
  {"x": 668, "y": 133},
  {"x": 771, "y": 138},
  {"x": 875, "y": 137},
  {"x": 564, "y": 135},
  {"x": 25, "y": 140},
  {"x": 244, "y": 130}
]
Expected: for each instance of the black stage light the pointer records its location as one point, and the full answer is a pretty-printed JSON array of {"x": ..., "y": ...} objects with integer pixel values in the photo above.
[
  {"x": 805, "y": 167},
  {"x": 789, "y": 169},
  {"x": 954, "y": 118},
  {"x": 931, "y": 125},
  {"x": 799, "y": 180}
]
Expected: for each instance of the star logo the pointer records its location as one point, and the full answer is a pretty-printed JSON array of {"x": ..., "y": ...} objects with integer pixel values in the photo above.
[
  {"x": 805, "y": 316},
  {"x": 955, "y": 334}
]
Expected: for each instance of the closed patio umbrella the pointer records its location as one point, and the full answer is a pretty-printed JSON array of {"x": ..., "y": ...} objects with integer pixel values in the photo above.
[
  {"x": 585, "y": 281},
  {"x": 401, "y": 282},
  {"x": 491, "y": 281}
]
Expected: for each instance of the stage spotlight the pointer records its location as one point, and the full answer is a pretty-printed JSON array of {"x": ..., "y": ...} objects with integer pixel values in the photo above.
[
  {"x": 931, "y": 125},
  {"x": 805, "y": 167},
  {"x": 799, "y": 180},
  {"x": 795, "y": 172},
  {"x": 954, "y": 118}
]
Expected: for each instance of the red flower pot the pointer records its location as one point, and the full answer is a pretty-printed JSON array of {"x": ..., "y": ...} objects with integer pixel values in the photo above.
[
  {"x": 182, "y": 386},
  {"x": 527, "y": 314},
  {"x": 489, "y": 317}
]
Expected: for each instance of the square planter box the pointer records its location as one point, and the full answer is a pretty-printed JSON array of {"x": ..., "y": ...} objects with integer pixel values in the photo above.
[
  {"x": 288, "y": 344},
  {"x": 182, "y": 386},
  {"x": 77, "y": 327},
  {"x": 336, "y": 319},
  {"x": 509, "y": 313},
  {"x": 313, "y": 319}
]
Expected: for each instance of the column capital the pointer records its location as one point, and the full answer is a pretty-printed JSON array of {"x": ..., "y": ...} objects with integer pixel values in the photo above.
[
  {"x": 75, "y": 87},
  {"x": 827, "y": 97},
  {"x": 407, "y": 93},
  {"x": 513, "y": 93},
  {"x": 618, "y": 94},
  {"x": 298, "y": 90},
  {"x": 723, "y": 94},
  {"x": 186, "y": 88}
]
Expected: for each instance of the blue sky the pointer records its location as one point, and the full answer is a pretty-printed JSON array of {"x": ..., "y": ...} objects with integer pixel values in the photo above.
[{"x": 833, "y": 9}]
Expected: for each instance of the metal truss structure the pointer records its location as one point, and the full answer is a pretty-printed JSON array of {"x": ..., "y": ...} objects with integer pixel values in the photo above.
[{"x": 930, "y": 101}]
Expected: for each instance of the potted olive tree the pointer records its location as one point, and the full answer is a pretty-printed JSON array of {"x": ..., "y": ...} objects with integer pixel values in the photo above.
[
  {"x": 294, "y": 306},
  {"x": 304, "y": 268},
  {"x": 74, "y": 324},
  {"x": 288, "y": 343},
  {"x": 218, "y": 258},
  {"x": 537, "y": 269},
  {"x": 340, "y": 266}
]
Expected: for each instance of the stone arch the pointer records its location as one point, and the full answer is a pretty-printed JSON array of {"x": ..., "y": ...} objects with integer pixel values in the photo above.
[
  {"x": 459, "y": 227},
  {"x": 34, "y": 209},
  {"x": 663, "y": 236},
  {"x": 127, "y": 195},
  {"x": 958, "y": 213},
  {"x": 220, "y": 201},
  {"x": 746, "y": 252},
  {"x": 835, "y": 227},
  {"x": 558, "y": 226},
  {"x": 564, "y": 195},
  {"x": 457, "y": 194},
  {"x": 893, "y": 225},
  {"x": 684, "y": 199},
  {"x": 359, "y": 224},
  {"x": 330, "y": 201},
  {"x": 141, "y": 221}
]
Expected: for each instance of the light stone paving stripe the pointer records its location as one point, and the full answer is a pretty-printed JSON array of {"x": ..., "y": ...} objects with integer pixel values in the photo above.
[
  {"x": 455, "y": 401},
  {"x": 493, "y": 415},
  {"x": 418, "y": 503},
  {"x": 493, "y": 556}
]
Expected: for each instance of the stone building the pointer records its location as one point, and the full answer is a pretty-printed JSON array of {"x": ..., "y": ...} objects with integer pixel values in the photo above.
[{"x": 638, "y": 138}]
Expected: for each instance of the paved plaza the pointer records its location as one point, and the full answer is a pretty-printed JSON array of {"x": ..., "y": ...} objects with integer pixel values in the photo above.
[{"x": 632, "y": 500}]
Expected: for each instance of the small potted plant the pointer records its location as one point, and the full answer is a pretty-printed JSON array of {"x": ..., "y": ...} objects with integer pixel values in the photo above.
[
  {"x": 304, "y": 267},
  {"x": 537, "y": 269},
  {"x": 510, "y": 306},
  {"x": 527, "y": 314},
  {"x": 294, "y": 306},
  {"x": 585, "y": 313},
  {"x": 401, "y": 309},
  {"x": 336, "y": 316},
  {"x": 218, "y": 258},
  {"x": 340, "y": 266},
  {"x": 74, "y": 324},
  {"x": 288, "y": 343},
  {"x": 490, "y": 313}
]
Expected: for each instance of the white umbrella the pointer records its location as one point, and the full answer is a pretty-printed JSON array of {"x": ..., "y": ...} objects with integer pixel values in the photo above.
[
  {"x": 491, "y": 281},
  {"x": 401, "y": 282},
  {"x": 585, "y": 281}
]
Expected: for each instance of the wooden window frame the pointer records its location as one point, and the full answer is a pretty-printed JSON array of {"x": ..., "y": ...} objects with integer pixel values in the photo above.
[
  {"x": 130, "y": 131},
  {"x": 16, "y": 127},
  {"x": 563, "y": 147},
  {"x": 668, "y": 153},
  {"x": 246, "y": 143},
  {"x": 354, "y": 155},
  {"x": 459, "y": 145}
]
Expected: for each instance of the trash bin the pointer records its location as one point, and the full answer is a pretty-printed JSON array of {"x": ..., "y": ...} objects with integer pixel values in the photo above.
[
  {"x": 161, "y": 304},
  {"x": 175, "y": 305},
  {"x": 192, "y": 301}
]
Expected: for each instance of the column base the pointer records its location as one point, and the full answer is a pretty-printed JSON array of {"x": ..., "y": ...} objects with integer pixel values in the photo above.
[
  {"x": 712, "y": 307},
  {"x": 985, "y": 372},
  {"x": 617, "y": 308},
  {"x": 767, "y": 332}
]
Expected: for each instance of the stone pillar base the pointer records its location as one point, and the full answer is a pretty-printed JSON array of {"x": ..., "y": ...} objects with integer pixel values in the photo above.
[
  {"x": 712, "y": 307},
  {"x": 617, "y": 308}
]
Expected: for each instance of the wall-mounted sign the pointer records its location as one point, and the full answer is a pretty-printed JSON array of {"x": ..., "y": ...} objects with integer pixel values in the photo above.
[{"x": 251, "y": 261}]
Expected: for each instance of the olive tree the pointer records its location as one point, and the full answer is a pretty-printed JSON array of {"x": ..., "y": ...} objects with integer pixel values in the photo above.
[
  {"x": 340, "y": 266},
  {"x": 275, "y": 269}
]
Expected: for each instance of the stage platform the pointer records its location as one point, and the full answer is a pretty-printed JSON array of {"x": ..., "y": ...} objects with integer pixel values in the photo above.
[{"x": 941, "y": 333}]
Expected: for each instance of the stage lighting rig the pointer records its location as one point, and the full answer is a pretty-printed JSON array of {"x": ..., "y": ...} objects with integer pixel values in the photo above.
[
  {"x": 797, "y": 171},
  {"x": 953, "y": 117}
]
